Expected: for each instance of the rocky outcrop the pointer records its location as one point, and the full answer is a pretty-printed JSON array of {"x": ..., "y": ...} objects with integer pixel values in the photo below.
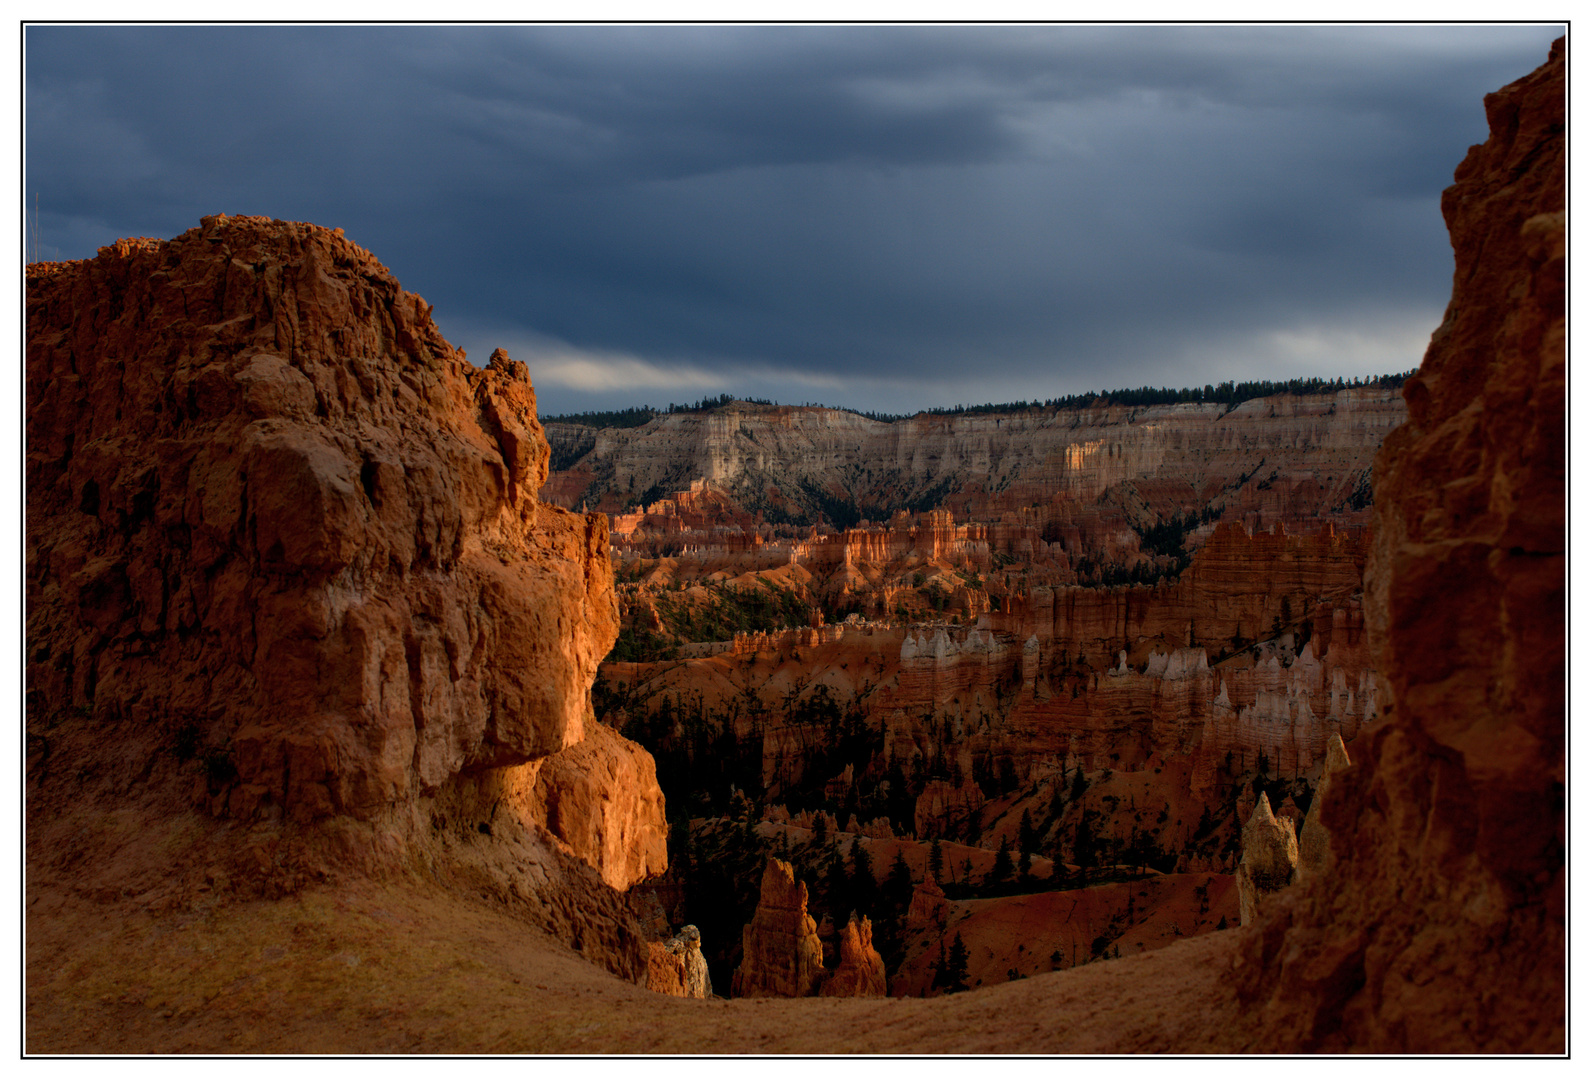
[
  {"x": 861, "y": 970},
  {"x": 1441, "y": 927},
  {"x": 281, "y": 534},
  {"x": 929, "y": 908},
  {"x": 270, "y": 505},
  {"x": 1270, "y": 860},
  {"x": 676, "y": 967},
  {"x": 782, "y": 954},
  {"x": 600, "y": 798}
]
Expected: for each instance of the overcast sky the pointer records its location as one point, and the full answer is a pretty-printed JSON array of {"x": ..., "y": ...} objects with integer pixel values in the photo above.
[{"x": 878, "y": 217}]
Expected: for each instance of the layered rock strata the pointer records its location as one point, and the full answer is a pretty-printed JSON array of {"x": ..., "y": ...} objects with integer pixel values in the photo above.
[
  {"x": 774, "y": 457},
  {"x": 1442, "y": 925}
]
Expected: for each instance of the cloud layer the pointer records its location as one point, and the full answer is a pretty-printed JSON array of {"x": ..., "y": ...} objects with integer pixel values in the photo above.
[{"x": 882, "y": 217}]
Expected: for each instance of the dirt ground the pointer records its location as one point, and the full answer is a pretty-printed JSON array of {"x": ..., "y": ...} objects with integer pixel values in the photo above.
[{"x": 411, "y": 969}]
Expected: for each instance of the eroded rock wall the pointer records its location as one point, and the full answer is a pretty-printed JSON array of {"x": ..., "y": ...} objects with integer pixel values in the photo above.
[
  {"x": 283, "y": 538},
  {"x": 1441, "y": 927},
  {"x": 269, "y": 502}
]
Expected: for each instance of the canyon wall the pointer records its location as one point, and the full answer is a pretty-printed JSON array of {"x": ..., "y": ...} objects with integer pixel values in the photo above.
[
  {"x": 780, "y": 459},
  {"x": 1441, "y": 928},
  {"x": 286, "y": 539}
]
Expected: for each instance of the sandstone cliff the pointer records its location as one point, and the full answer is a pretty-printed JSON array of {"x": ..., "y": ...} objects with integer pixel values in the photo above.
[
  {"x": 284, "y": 547},
  {"x": 1441, "y": 926},
  {"x": 779, "y": 459}
]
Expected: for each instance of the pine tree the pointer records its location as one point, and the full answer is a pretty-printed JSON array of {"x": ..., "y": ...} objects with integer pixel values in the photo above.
[
  {"x": 1083, "y": 847},
  {"x": 1027, "y": 839},
  {"x": 864, "y": 887},
  {"x": 936, "y": 860},
  {"x": 837, "y": 887},
  {"x": 955, "y": 970},
  {"x": 898, "y": 886},
  {"x": 1001, "y": 871}
]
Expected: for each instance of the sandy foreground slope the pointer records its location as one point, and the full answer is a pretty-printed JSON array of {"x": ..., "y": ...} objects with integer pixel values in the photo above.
[{"x": 410, "y": 969}]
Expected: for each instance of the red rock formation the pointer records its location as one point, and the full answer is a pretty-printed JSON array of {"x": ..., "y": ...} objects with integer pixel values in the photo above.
[
  {"x": 1036, "y": 933},
  {"x": 235, "y": 523},
  {"x": 929, "y": 907},
  {"x": 600, "y": 798},
  {"x": 944, "y": 809},
  {"x": 782, "y": 954},
  {"x": 1078, "y": 678},
  {"x": 1441, "y": 927},
  {"x": 1270, "y": 860},
  {"x": 279, "y": 527},
  {"x": 861, "y": 970},
  {"x": 677, "y": 968}
]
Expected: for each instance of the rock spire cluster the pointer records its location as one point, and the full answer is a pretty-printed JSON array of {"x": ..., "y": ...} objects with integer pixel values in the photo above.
[{"x": 782, "y": 955}]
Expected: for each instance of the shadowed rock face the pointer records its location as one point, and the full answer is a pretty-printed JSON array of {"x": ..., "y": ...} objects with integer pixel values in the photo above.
[
  {"x": 1441, "y": 926},
  {"x": 1314, "y": 842},
  {"x": 271, "y": 510}
]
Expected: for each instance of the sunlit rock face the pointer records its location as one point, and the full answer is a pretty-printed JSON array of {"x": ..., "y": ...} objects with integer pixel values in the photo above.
[
  {"x": 279, "y": 529},
  {"x": 267, "y": 499}
]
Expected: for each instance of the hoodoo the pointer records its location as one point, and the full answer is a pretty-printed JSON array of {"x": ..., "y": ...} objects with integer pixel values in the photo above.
[{"x": 783, "y": 956}]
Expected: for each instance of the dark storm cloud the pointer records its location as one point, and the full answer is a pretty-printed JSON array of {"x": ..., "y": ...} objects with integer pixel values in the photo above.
[{"x": 883, "y": 217}]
